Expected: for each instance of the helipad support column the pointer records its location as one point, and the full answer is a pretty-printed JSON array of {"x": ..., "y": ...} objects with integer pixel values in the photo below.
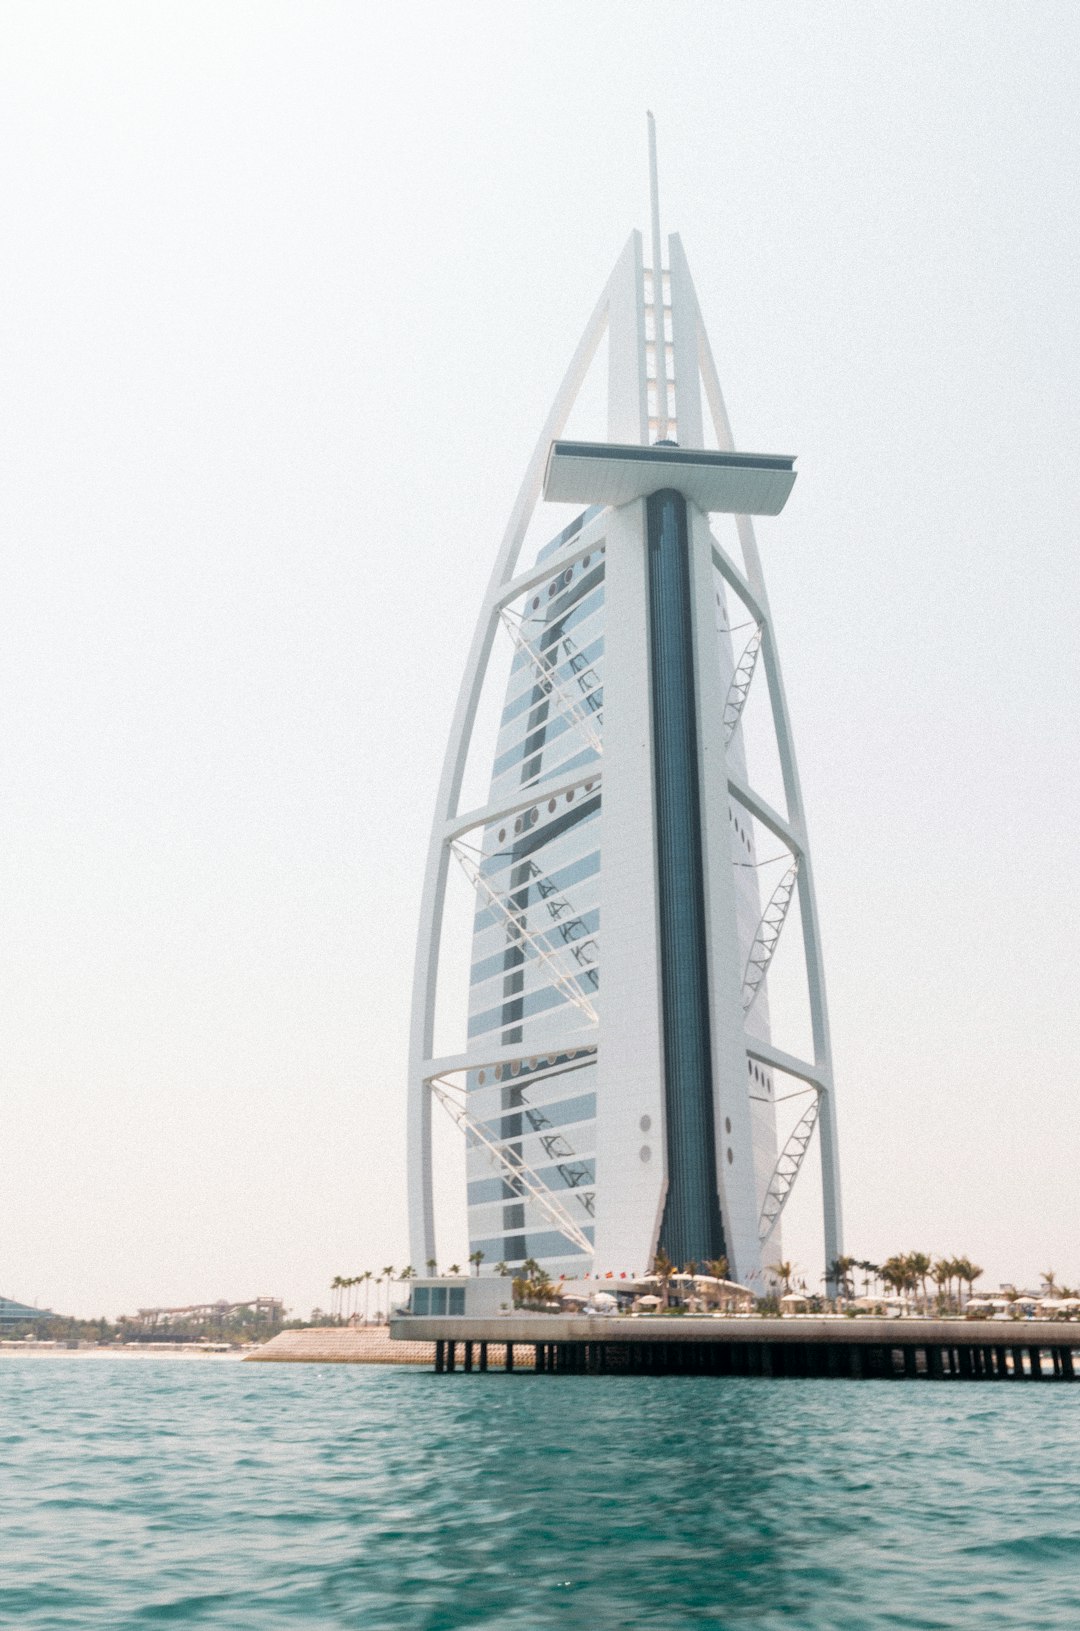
[{"x": 658, "y": 492}]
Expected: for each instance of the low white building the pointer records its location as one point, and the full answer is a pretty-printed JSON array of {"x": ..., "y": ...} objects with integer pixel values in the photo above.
[{"x": 480, "y": 1297}]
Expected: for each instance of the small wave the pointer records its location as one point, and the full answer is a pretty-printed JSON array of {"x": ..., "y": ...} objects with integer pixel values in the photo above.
[{"x": 1028, "y": 1548}]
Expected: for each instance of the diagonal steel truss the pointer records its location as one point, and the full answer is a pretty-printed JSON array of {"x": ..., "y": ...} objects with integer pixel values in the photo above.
[
  {"x": 544, "y": 669},
  {"x": 787, "y": 1168},
  {"x": 739, "y": 689},
  {"x": 515, "y": 920},
  {"x": 767, "y": 936},
  {"x": 512, "y": 1165}
]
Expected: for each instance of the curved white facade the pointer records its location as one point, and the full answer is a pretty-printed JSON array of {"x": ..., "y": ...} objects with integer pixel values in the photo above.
[{"x": 565, "y": 1089}]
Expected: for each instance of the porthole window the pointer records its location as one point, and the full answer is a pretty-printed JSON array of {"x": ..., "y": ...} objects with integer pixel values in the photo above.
[
  {"x": 517, "y": 824},
  {"x": 570, "y": 796},
  {"x": 482, "y": 1077},
  {"x": 645, "y": 1123},
  {"x": 498, "y": 1073},
  {"x": 646, "y": 1153},
  {"x": 502, "y": 834},
  {"x": 730, "y": 1156},
  {"x": 727, "y": 1124},
  {"x": 536, "y": 602},
  {"x": 551, "y": 805},
  {"x": 586, "y": 561}
]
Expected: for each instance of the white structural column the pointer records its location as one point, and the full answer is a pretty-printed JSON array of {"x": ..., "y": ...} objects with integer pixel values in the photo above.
[
  {"x": 684, "y": 344},
  {"x": 658, "y": 291},
  {"x": 628, "y": 397},
  {"x": 630, "y": 1123},
  {"x": 731, "y": 1105}
]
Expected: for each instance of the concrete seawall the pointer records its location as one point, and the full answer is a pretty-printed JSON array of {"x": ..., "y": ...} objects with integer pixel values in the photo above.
[{"x": 341, "y": 1345}]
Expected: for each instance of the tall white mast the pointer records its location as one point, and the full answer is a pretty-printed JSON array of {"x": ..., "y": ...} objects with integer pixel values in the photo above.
[{"x": 658, "y": 288}]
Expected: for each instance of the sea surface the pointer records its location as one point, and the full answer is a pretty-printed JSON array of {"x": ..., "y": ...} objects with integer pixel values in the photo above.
[{"x": 163, "y": 1491}]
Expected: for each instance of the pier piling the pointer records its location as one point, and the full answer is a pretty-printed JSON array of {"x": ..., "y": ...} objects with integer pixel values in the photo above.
[{"x": 866, "y": 1349}]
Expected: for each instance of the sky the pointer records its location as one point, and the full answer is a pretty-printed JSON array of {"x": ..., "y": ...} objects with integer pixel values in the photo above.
[{"x": 285, "y": 292}]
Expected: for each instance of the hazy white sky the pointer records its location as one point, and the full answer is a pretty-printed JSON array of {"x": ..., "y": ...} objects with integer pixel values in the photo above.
[{"x": 286, "y": 290}]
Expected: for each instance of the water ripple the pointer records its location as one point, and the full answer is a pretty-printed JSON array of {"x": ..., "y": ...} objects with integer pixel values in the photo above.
[{"x": 156, "y": 1490}]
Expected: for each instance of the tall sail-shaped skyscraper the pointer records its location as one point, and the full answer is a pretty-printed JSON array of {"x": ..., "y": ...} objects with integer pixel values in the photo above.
[{"x": 618, "y": 1087}]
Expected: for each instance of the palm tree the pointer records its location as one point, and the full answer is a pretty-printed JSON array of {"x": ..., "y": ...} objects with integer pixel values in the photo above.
[
  {"x": 455, "y": 1268},
  {"x": 840, "y": 1272},
  {"x": 920, "y": 1266},
  {"x": 476, "y": 1258},
  {"x": 897, "y": 1271},
  {"x": 432, "y": 1265},
  {"x": 388, "y": 1275},
  {"x": 1049, "y": 1281},
  {"x": 366, "y": 1278},
  {"x": 718, "y": 1267},
  {"x": 971, "y": 1272},
  {"x": 502, "y": 1268},
  {"x": 940, "y": 1274},
  {"x": 784, "y": 1272},
  {"x": 335, "y": 1294},
  {"x": 664, "y": 1268}
]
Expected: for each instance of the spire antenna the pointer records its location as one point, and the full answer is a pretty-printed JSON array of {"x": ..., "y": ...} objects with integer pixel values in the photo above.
[{"x": 659, "y": 326}]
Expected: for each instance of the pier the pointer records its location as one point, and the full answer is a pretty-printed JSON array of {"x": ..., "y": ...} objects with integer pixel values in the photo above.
[{"x": 857, "y": 1350}]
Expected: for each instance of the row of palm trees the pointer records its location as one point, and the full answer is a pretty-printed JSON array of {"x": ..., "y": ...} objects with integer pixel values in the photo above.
[
  {"x": 909, "y": 1274},
  {"x": 665, "y": 1269},
  {"x": 533, "y": 1286},
  {"x": 345, "y": 1289}
]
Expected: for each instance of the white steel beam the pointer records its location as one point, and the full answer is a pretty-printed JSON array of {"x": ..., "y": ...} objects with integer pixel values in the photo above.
[
  {"x": 737, "y": 581},
  {"x": 534, "y": 579},
  {"x": 741, "y": 680},
  {"x": 514, "y": 1167},
  {"x": 514, "y": 919},
  {"x": 547, "y": 679},
  {"x": 767, "y": 936},
  {"x": 584, "y": 1052},
  {"x": 744, "y": 794},
  {"x": 787, "y": 1169},
  {"x": 505, "y": 809},
  {"x": 777, "y": 1059}
]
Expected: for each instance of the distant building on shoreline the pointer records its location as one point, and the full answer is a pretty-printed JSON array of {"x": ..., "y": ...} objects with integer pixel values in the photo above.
[
  {"x": 257, "y": 1311},
  {"x": 14, "y": 1313}
]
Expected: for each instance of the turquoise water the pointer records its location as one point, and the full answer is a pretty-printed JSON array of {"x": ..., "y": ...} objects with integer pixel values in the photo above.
[{"x": 150, "y": 1491}]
